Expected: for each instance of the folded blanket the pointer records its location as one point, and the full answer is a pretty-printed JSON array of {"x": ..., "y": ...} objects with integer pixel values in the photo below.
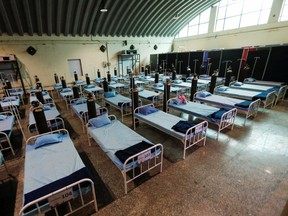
[
  {"x": 124, "y": 154},
  {"x": 182, "y": 126},
  {"x": 261, "y": 96},
  {"x": 218, "y": 114},
  {"x": 244, "y": 104}
]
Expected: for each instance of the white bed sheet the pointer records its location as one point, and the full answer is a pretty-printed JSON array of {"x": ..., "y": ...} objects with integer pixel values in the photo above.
[
  {"x": 110, "y": 139},
  {"x": 50, "y": 163}
]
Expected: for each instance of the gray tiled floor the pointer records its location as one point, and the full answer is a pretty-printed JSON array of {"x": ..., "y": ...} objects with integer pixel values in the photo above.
[{"x": 243, "y": 173}]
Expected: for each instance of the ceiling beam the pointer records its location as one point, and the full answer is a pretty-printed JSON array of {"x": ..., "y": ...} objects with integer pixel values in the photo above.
[
  {"x": 77, "y": 17},
  {"x": 123, "y": 15},
  {"x": 142, "y": 17},
  {"x": 5, "y": 19},
  {"x": 154, "y": 19},
  {"x": 95, "y": 11},
  {"x": 68, "y": 17},
  {"x": 17, "y": 17},
  {"x": 49, "y": 17},
  {"x": 130, "y": 19},
  {"x": 59, "y": 17},
  {"x": 118, "y": 14},
  {"x": 112, "y": 10},
  {"x": 85, "y": 17},
  {"x": 28, "y": 17},
  {"x": 144, "y": 21},
  {"x": 38, "y": 17}
]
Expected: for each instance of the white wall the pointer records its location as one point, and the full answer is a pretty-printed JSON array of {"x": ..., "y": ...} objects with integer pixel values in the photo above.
[
  {"x": 53, "y": 52},
  {"x": 270, "y": 34}
]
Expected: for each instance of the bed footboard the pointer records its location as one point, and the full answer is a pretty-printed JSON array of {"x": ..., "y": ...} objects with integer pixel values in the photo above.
[
  {"x": 252, "y": 109},
  {"x": 227, "y": 119},
  {"x": 64, "y": 195},
  {"x": 195, "y": 135},
  {"x": 270, "y": 99},
  {"x": 144, "y": 161},
  {"x": 281, "y": 93}
]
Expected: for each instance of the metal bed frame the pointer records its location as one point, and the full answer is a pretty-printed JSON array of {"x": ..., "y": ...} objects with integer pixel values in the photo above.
[
  {"x": 144, "y": 165},
  {"x": 63, "y": 194},
  {"x": 227, "y": 119},
  {"x": 252, "y": 110},
  {"x": 188, "y": 140}
]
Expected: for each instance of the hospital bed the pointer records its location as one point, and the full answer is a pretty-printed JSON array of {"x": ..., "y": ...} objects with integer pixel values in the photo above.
[
  {"x": 194, "y": 134},
  {"x": 7, "y": 120},
  {"x": 173, "y": 90},
  {"x": 267, "y": 98},
  {"x": 119, "y": 87},
  {"x": 51, "y": 180},
  {"x": 249, "y": 108},
  {"x": 151, "y": 96},
  {"x": 187, "y": 85},
  {"x": 52, "y": 115},
  {"x": 120, "y": 102},
  {"x": 223, "y": 118},
  {"x": 16, "y": 92},
  {"x": 280, "y": 91},
  {"x": 79, "y": 107},
  {"x": 262, "y": 82},
  {"x": 130, "y": 153},
  {"x": 94, "y": 90},
  {"x": 8, "y": 102},
  {"x": 46, "y": 96}
]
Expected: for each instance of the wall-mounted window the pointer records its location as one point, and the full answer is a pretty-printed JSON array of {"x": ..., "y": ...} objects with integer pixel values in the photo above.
[
  {"x": 284, "y": 12},
  {"x": 233, "y": 14},
  {"x": 199, "y": 25}
]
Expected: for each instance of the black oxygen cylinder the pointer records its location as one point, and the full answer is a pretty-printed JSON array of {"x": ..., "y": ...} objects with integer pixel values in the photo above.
[
  {"x": 146, "y": 71},
  {"x": 228, "y": 78},
  {"x": 6, "y": 91},
  {"x": 167, "y": 88},
  {"x": 115, "y": 72},
  {"x": 75, "y": 92},
  {"x": 193, "y": 88},
  {"x": 142, "y": 69},
  {"x": 75, "y": 76},
  {"x": 174, "y": 75},
  {"x": 39, "y": 96},
  {"x": 91, "y": 107},
  {"x": 156, "y": 77},
  {"x": 109, "y": 77},
  {"x": 132, "y": 82},
  {"x": 1, "y": 108},
  {"x": 105, "y": 86},
  {"x": 8, "y": 84},
  {"x": 213, "y": 83},
  {"x": 56, "y": 78},
  {"x": 40, "y": 120},
  {"x": 135, "y": 104},
  {"x": 98, "y": 73},
  {"x": 87, "y": 79},
  {"x": 39, "y": 86},
  {"x": 63, "y": 82}
]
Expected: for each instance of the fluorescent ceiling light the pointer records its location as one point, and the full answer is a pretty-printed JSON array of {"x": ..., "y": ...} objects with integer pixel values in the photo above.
[{"x": 104, "y": 10}]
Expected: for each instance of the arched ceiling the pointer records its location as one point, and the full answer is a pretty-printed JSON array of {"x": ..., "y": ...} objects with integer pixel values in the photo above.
[{"x": 124, "y": 18}]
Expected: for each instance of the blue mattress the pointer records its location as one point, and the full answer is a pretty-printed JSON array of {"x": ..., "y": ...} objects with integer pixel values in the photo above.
[
  {"x": 91, "y": 89},
  {"x": 252, "y": 87},
  {"x": 50, "y": 168}
]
